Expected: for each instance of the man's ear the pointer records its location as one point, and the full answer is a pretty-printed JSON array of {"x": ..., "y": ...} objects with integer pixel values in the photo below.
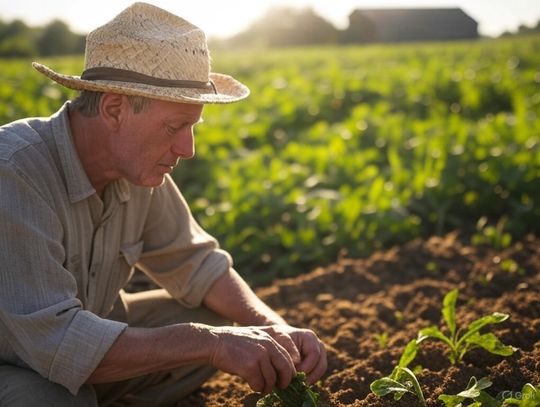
[{"x": 112, "y": 109}]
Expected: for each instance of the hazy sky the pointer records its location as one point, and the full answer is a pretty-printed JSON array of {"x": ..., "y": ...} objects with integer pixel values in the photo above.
[{"x": 226, "y": 17}]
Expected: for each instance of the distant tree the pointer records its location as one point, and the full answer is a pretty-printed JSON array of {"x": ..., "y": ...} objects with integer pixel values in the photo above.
[
  {"x": 17, "y": 39},
  {"x": 57, "y": 39},
  {"x": 523, "y": 29},
  {"x": 15, "y": 28}
]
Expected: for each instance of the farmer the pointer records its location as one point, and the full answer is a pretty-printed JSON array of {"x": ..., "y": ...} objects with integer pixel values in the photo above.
[{"x": 85, "y": 196}]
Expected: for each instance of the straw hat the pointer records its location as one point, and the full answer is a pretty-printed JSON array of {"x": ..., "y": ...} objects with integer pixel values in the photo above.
[{"x": 147, "y": 51}]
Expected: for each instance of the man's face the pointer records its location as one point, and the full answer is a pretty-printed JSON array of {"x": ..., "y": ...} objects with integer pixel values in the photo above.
[{"x": 149, "y": 144}]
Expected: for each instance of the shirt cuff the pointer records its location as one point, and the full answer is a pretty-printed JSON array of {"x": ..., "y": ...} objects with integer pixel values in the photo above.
[{"x": 84, "y": 345}]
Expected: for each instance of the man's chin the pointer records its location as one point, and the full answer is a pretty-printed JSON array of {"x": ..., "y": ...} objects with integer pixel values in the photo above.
[{"x": 153, "y": 182}]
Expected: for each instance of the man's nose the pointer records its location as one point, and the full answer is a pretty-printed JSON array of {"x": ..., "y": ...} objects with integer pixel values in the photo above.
[{"x": 184, "y": 145}]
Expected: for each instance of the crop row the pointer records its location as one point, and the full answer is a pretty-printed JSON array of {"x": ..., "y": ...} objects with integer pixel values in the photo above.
[{"x": 349, "y": 148}]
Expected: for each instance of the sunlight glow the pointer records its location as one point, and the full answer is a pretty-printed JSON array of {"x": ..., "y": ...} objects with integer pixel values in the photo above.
[{"x": 227, "y": 18}]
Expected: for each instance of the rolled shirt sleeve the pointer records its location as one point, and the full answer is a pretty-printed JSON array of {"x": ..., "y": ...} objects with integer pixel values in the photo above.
[
  {"x": 41, "y": 317},
  {"x": 178, "y": 254}
]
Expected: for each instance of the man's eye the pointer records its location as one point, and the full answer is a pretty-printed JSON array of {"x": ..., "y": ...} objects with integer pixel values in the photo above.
[{"x": 172, "y": 129}]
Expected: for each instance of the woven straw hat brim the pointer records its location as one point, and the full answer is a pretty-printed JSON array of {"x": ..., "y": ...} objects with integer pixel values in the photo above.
[{"x": 228, "y": 89}]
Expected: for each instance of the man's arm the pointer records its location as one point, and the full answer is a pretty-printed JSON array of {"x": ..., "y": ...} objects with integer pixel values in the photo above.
[
  {"x": 264, "y": 355},
  {"x": 232, "y": 298},
  {"x": 138, "y": 351}
]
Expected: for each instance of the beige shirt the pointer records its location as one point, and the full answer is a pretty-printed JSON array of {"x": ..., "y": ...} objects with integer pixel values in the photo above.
[{"x": 65, "y": 254}]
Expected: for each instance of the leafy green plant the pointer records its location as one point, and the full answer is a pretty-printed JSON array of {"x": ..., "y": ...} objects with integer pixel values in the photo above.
[
  {"x": 461, "y": 342},
  {"x": 494, "y": 236},
  {"x": 382, "y": 340},
  {"x": 511, "y": 266},
  {"x": 402, "y": 379},
  {"x": 474, "y": 392},
  {"x": 327, "y": 156},
  {"x": 297, "y": 394},
  {"x": 528, "y": 397}
]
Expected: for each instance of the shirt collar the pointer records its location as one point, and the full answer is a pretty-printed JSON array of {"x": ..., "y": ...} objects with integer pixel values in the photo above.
[{"x": 77, "y": 183}]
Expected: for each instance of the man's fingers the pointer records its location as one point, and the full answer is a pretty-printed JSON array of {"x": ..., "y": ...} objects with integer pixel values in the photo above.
[
  {"x": 269, "y": 374},
  {"x": 256, "y": 382},
  {"x": 284, "y": 366},
  {"x": 286, "y": 341},
  {"x": 319, "y": 368},
  {"x": 314, "y": 353}
]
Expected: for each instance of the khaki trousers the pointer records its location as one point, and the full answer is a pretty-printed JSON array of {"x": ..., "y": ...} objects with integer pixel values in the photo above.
[{"x": 23, "y": 387}]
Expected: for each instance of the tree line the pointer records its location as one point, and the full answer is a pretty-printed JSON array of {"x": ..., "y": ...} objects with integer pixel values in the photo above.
[
  {"x": 17, "y": 39},
  {"x": 279, "y": 27}
]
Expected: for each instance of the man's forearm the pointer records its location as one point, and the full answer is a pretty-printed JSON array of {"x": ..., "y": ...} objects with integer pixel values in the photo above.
[
  {"x": 232, "y": 298},
  {"x": 139, "y": 351}
]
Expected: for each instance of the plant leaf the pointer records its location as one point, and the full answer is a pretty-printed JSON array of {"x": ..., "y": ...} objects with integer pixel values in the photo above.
[
  {"x": 449, "y": 311},
  {"x": 475, "y": 326},
  {"x": 530, "y": 397},
  {"x": 474, "y": 387},
  {"x": 531, "y": 393},
  {"x": 414, "y": 381},
  {"x": 433, "y": 332},
  {"x": 491, "y": 343},
  {"x": 484, "y": 383},
  {"x": 472, "y": 391},
  {"x": 409, "y": 353},
  {"x": 386, "y": 385},
  {"x": 450, "y": 400},
  {"x": 495, "y": 318},
  {"x": 485, "y": 400}
]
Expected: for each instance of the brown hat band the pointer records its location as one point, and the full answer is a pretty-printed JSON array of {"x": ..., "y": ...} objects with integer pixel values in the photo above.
[{"x": 124, "y": 75}]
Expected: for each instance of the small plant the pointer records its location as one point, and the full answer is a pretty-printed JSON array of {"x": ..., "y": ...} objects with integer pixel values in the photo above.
[
  {"x": 382, "y": 340},
  {"x": 402, "y": 380},
  {"x": 475, "y": 392},
  {"x": 529, "y": 396},
  {"x": 512, "y": 267},
  {"x": 432, "y": 267},
  {"x": 494, "y": 236},
  {"x": 297, "y": 394},
  {"x": 459, "y": 343}
]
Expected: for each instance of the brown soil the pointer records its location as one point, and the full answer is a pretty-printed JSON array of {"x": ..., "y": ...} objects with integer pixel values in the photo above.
[{"x": 398, "y": 292}]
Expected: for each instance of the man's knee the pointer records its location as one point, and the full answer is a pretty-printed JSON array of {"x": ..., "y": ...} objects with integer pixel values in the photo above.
[{"x": 25, "y": 388}]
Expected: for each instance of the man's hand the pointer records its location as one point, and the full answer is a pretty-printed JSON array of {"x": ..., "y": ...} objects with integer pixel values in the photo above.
[
  {"x": 255, "y": 355},
  {"x": 305, "y": 348}
]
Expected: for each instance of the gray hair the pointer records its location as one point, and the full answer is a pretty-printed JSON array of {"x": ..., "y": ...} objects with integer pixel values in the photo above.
[{"x": 87, "y": 103}]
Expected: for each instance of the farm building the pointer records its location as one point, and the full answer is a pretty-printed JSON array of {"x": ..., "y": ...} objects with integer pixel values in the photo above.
[{"x": 422, "y": 24}]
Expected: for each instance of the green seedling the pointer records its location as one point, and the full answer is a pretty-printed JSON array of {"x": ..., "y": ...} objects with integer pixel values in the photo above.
[
  {"x": 474, "y": 393},
  {"x": 402, "y": 380},
  {"x": 460, "y": 344},
  {"x": 432, "y": 267},
  {"x": 297, "y": 394},
  {"x": 512, "y": 267},
  {"x": 528, "y": 397},
  {"x": 382, "y": 340},
  {"x": 494, "y": 236}
]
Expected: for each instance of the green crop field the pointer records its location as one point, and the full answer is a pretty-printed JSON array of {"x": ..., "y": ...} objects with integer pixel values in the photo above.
[{"x": 351, "y": 148}]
